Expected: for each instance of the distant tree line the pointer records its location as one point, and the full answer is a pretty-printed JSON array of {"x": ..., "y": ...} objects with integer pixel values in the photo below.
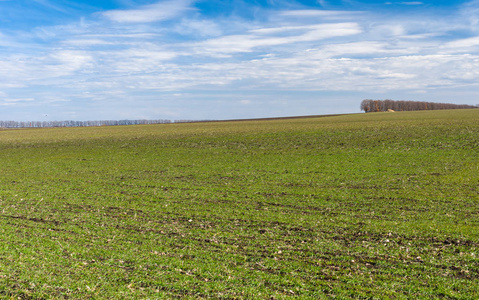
[
  {"x": 369, "y": 105},
  {"x": 44, "y": 124}
]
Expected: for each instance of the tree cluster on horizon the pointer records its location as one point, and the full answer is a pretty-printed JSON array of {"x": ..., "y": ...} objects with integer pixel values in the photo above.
[
  {"x": 369, "y": 105},
  {"x": 70, "y": 123}
]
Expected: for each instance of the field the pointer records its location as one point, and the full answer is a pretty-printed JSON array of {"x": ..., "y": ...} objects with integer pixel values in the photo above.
[{"x": 366, "y": 206}]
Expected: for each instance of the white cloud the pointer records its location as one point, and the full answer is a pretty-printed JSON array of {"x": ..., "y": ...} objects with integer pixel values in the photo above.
[
  {"x": 19, "y": 100},
  {"x": 323, "y": 3},
  {"x": 366, "y": 48},
  {"x": 405, "y": 3},
  {"x": 412, "y": 3},
  {"x": 265, "y": 37},
  {"x": 66, "y": 62},
  {"x": 386, "y": 30},
  {"x": 470, "y": 11},
  {"x": 86, "y": 42},
  {"x": 137, "y": 60},
  {"x": 50, "y": 5},
  {"x": 150, "y": 13},
  {"x": 315, "y": 13},
  {"x": 141, "y": 35},
  {"x": 203, "y": 28},
  {"x": 462, "y": 44}
]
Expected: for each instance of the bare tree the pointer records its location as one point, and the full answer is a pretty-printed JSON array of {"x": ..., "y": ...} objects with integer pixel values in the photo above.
[
  {"x": 369, "y": 105},
  {"x": 71, "y": 123}
]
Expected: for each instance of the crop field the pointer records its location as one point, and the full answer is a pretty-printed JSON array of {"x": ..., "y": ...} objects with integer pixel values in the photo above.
[{"x": 364, "y": 206}]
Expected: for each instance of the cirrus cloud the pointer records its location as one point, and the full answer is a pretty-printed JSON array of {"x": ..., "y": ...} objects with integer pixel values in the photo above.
[{"x": 150, "y": 13}]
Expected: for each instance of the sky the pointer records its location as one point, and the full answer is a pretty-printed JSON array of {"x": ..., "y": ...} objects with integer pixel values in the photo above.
[{"x": 230, "y": 59}]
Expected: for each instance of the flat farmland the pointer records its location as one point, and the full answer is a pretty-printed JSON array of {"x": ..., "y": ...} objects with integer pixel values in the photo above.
[{"x": 364, "y": 206}]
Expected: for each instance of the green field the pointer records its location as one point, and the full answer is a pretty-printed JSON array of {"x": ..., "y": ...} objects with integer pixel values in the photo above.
[{"x": 366, "y": 206}]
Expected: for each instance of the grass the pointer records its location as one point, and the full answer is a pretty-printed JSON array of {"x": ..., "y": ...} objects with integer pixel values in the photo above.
[{"x": 367, "y": 206}]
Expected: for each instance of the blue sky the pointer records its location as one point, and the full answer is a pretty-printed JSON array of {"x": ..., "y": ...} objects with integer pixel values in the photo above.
[{"x": 187, "y": 59}]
